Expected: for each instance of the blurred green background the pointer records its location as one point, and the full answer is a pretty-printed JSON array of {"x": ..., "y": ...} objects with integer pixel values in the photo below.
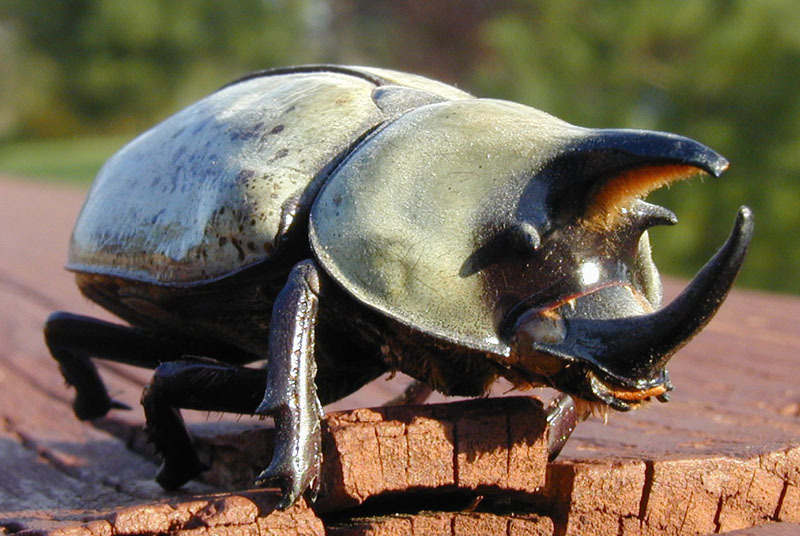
[{"x": 80, "y": 77}]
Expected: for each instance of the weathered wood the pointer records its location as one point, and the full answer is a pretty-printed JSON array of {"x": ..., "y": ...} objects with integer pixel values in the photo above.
[
  {"x": 701, "y": 495},
  {"x": 247, "y": 513},
  {"x": 473, "y": 447},
  {"x": 446, "y": 524},
  {"x": 724, "y": 454}
]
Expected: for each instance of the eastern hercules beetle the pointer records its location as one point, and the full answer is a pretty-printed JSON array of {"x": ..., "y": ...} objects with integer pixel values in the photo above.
[{"x": 340, "y": 222}]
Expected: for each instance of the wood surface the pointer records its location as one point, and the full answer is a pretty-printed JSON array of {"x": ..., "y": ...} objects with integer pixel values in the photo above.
[{"x": 722, "y": 455}]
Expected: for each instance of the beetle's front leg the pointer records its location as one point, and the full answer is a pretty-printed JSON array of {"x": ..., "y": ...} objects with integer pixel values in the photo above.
[
  {"x": 563, "y": 415},
  {"x": 291, "y": 394}
]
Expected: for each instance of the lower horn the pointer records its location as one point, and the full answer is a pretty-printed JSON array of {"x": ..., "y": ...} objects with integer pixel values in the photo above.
[{"x": 637, "y": 348}]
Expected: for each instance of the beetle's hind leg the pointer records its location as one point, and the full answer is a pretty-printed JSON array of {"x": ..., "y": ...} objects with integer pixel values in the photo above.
[{"x": 74, "y": 339}]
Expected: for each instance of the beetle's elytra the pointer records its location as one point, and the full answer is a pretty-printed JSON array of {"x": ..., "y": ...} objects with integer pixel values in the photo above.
[{"x": 340, "y": 222}]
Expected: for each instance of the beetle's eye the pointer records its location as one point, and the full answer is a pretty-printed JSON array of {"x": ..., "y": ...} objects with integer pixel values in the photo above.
[{"x": 524, "y": 238}]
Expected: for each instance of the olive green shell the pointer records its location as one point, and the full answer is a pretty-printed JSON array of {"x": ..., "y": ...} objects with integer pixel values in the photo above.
[
  {"x": 401, "y": 216},
  {"x": 201, "y": 195}
]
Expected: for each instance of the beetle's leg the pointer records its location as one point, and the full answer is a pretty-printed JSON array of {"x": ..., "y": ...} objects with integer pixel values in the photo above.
[
  {"x": 563, "y": 415},
  {"x": 416, "y": 392},
  {"x": 73, "y": 339},
  {"x": 290, "y": 396},
  {"x": 193, "y": 385}
]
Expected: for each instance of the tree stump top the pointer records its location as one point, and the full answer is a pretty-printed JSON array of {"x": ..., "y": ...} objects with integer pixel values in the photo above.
[{"x": 722, "y": 455}]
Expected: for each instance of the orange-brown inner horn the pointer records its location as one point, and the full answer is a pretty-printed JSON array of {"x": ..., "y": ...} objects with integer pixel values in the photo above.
[{"x": 620, "y": 191}]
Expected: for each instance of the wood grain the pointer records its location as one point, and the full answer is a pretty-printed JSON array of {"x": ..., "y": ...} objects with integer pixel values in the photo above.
[
  {"x": 461, "y": 449},
  {"x": 723, "y": 455}
]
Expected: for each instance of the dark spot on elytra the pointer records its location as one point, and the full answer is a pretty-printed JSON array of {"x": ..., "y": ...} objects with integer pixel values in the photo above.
[
  {"x": 244, "y": 175},
  {"x": 246, "y": 133},
  {"x": 222, "y": 210},
  {"x": 238, "y": 245},
  {"x": 154, "y": 219},
  {"x": 252, "y": 222},
  {"x": 174, "y": 179},
  {"x": 337, "y": 199},
  {"x": 251, "y": 246},
  {"x": 281, "y": 153},
  {"x": 179, "y": 153},
  {"x": 222, "y": 241},
  {"x": 277, "y": 129}
]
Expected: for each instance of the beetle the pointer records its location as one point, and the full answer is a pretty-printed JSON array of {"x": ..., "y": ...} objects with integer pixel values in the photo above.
[{"x": 340, "y": 222}]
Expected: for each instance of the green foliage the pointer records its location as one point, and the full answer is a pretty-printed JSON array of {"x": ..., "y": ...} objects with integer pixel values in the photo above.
[
  {"x": 117, "y": 65},
  {"x": 71, "y": 159},
  {"x": 725, "y": 72}
]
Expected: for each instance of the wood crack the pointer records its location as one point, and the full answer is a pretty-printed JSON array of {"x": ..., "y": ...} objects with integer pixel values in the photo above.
[
  {"x": 718, "y": 513},
  {"x": 776, "y": 515},
  {"x": 29, "y": 443},
  {"x": 456, "y": 436},
  {"x": 649, "y": 471}
]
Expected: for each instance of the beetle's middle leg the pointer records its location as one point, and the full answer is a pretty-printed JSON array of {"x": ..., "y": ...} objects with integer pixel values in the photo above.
[{"x": 199, "y": 385}]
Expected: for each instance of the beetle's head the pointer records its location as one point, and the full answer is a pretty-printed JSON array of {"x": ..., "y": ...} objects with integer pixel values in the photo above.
[{"x": 579, "y": 296}]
